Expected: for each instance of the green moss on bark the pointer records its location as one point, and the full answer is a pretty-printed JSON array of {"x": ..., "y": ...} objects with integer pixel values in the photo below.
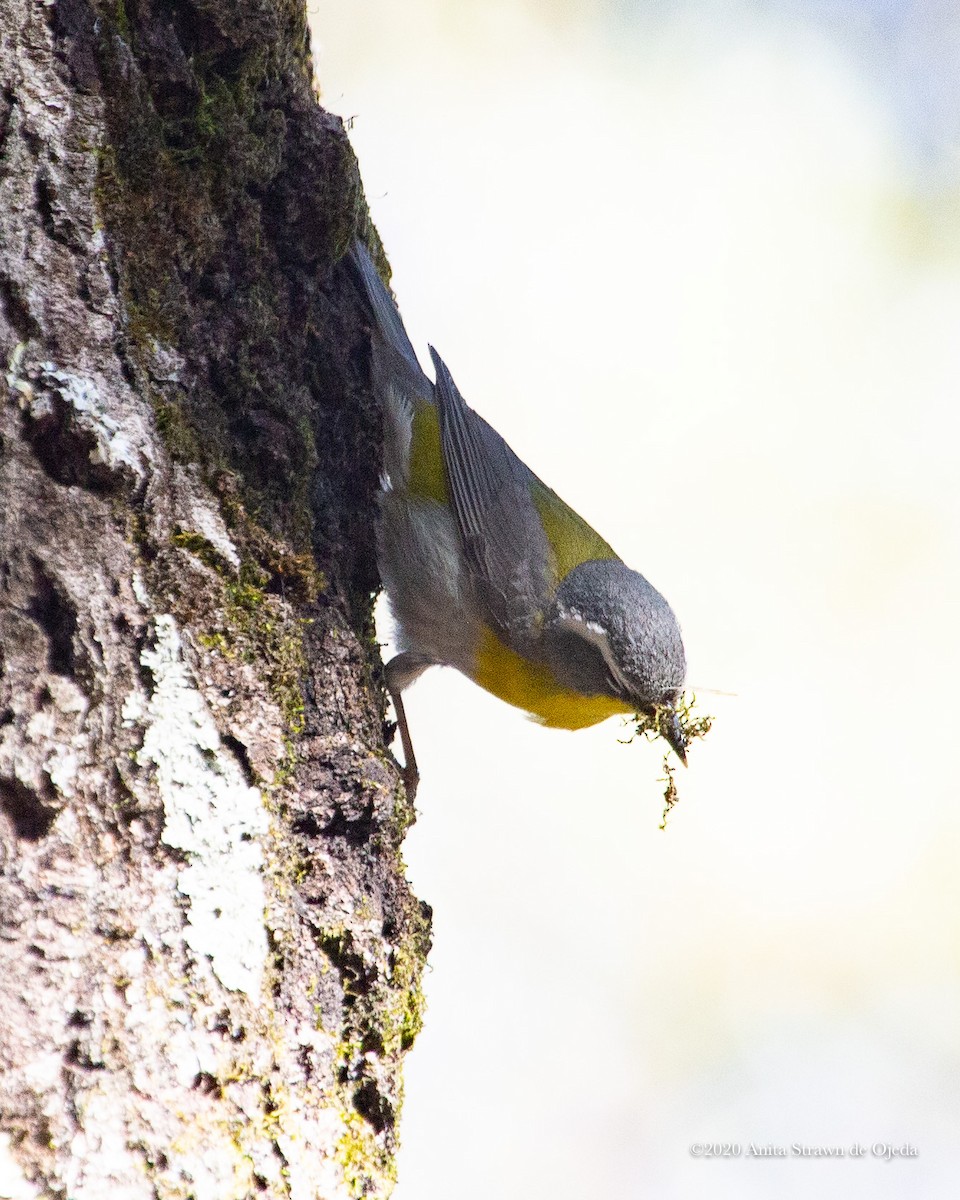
[{"x": 229, "y": 196}]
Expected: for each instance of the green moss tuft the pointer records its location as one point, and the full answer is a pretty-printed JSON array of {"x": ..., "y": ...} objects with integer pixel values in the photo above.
[
  {"x": 654, "y": 725},
  {"x": 364, "y": 1162},
  {"x": 264, "y": 633},
  {"x": 176, "y": 430},
  {"x": 404, "y": 1017},
  {"x": 197, "y": 545}
]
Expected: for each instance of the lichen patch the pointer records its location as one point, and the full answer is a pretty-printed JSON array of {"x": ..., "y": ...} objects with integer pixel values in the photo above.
[{"x": 211, "y": 815}]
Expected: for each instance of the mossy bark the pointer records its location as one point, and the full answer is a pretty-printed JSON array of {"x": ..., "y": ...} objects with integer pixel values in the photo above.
[{"x": 211, "y": 957}]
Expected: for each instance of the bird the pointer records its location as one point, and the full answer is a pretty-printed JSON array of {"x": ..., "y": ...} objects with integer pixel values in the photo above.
[{"x": 488, "y": 571}]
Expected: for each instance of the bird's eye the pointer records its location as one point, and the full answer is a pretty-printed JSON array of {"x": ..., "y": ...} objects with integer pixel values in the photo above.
[{"x": 587, "y": 645}]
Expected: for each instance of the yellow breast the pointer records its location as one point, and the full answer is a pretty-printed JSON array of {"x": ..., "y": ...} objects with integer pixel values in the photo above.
[{"x": 532, "y": 687}]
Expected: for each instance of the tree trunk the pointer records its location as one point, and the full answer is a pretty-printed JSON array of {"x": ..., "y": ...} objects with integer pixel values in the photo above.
[{"x": 210, "y": 955}]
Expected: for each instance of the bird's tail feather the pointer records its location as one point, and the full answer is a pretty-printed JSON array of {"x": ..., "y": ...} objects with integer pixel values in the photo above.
[{"x": 382, "y": 307}]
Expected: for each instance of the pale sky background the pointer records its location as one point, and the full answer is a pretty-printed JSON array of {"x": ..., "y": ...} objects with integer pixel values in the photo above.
[{"x": 699, "y": 263}]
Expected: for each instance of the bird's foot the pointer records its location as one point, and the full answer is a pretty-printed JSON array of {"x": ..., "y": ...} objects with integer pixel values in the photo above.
[{"x": 411, "y": 778}]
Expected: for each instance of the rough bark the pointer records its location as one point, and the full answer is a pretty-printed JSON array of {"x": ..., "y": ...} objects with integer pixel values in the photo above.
[{"x": 210, "y": 955}]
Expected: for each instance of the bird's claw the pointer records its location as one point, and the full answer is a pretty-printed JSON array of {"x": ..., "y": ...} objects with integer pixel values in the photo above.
[{"x": 411, "y": 778}]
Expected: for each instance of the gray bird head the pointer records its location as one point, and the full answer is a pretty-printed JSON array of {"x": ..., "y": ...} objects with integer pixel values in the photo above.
[{"x": 610, "y": 633}]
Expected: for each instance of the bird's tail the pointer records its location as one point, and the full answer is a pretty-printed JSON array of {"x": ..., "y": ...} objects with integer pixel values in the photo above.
[
  {"x": 384, "y": 311},
  {"x": 398, "y": 378}
]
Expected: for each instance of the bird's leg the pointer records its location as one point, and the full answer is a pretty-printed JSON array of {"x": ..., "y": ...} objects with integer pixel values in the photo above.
[
  {"x": 399, "y": 673},
  {"x": 411, "y": 772}
]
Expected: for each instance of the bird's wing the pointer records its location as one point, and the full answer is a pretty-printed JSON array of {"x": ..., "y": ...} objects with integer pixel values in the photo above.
[
  {"x": 495, "y": 498},
  {"x": 572, "y": 541}
]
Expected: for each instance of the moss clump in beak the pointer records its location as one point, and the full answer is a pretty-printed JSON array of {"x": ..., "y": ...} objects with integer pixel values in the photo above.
[{"x": 679, "y": 726}]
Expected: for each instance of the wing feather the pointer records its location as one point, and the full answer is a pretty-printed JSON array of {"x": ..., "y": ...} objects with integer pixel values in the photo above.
[{"x": 502, "y": 535}]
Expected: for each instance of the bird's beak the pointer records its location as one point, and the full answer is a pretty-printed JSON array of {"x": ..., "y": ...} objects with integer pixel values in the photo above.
[{"x": 674, "y": 735}]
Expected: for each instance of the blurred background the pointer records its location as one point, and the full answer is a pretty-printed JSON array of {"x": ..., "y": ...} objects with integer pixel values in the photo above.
[{"x": 699, "y": 262}]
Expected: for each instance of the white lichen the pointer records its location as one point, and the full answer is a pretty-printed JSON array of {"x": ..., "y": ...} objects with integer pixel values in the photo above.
[
  {"x": 14, "y": 1185},
  {"x": 197, "y": 512},
  {"x": 118, "y": 444},
  {"x": 211, "y": 815}
]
